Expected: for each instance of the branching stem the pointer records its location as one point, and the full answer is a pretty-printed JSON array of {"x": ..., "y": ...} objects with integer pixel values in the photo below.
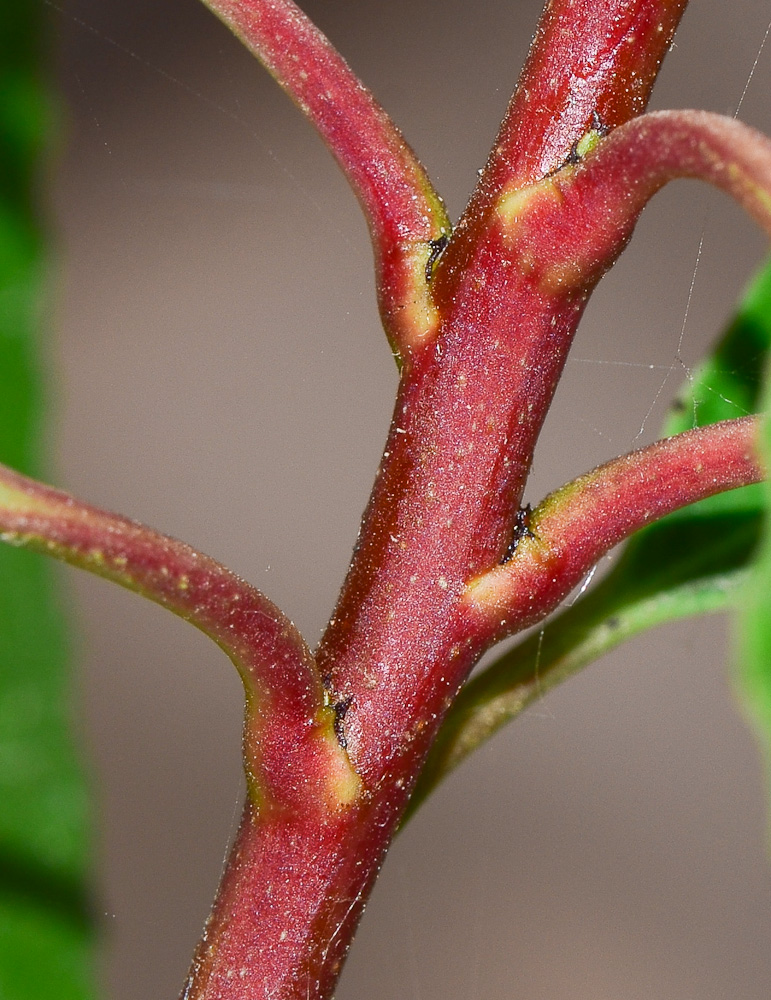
[
  {"x": 573, "y": 527},
  {"x": 334, "y": 744},
  {"x": 403, "y": 211},
  {"x": 293, "y": 761}
]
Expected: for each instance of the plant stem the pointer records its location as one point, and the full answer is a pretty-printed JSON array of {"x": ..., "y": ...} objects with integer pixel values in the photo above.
[
  {"x": 403, "y": 211},
  {"x": 471, "y": 401},
  {"x": 592, "y": 64},
  {"x": 294, "y": 763},
  {"x": 471, "y": 404},
  {"x": 576, "y": 525}
]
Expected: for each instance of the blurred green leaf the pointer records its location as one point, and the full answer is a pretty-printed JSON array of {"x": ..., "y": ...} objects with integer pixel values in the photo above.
[
  {"x": 691, "y": 562},
  {"x": 45, "y": 923},
  {"x": 753, "y": 675}
]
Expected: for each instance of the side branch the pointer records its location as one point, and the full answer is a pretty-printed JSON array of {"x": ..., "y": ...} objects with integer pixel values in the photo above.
[
  {"x": 403, "y": 211},
  {"x": 289, "y": 730},
  {"x": 623, "y": 172},
  {"x": 564, "y": 231},
  {"x": 573, "y": 527},
  {"x": 592, "y": 65}
]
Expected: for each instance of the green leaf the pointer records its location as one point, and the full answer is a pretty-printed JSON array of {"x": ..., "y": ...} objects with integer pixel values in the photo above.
[
  {"x": 692, "y": 562},
  {"x": 45, "y": 922},
  {"x": 753, "y": 676}
]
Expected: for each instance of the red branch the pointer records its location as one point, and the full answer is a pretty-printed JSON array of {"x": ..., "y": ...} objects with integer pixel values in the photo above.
[
  {"x": 616, "y": 180},
  {"x": 291, "y": 753},
  {"x": 403, "y": 210},
  {"x": 591, "y": 63},
  {"x": 573, "y": 527},
  {"x": 471, "y": 405}
]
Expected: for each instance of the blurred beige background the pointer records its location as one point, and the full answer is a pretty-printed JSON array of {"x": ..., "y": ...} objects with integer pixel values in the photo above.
[{"x": 220, "y": 374}]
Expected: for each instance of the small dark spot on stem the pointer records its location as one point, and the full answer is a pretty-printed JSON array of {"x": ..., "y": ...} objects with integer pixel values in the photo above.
[
  {"x": 613, "y": 623},
  {"x": 340, "y": 708},
  {"x": 570, "y": 160},
  {"x": 574, "y": 157},
  {"x": 437, "y": 246},
  {"x": 521, "y": 530}
]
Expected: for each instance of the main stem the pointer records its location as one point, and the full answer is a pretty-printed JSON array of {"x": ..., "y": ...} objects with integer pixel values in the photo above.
[{"x": 469, "y": 409}]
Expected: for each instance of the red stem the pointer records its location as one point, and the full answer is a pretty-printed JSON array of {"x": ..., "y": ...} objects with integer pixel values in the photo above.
[
  {"x": 471, "y": 405},
  {"x": 382, "y": 170},
  {"x": 575, "y": 526},
  {"x": 614, "y": 183},
  {"x": 333, "y": 746},
  {"x": 590, "y": 62},
  {"x": 294, "y": 764},
  {"x": 287, "y": 906},
  {"x": 471, "y": 402},
  {"x": 403, "y": 211}
]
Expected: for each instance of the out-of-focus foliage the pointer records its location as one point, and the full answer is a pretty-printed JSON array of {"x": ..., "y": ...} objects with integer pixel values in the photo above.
[
  {"x": 754, "y": 673},
  {"x": 45, "y": 923}
]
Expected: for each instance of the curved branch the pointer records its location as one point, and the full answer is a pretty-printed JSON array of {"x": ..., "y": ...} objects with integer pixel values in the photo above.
[
  {"x": 289, "y": 729},
  {"x": 610, "y": 187},
  {"x": 573, "y": 527},
  {"x": 403, "y": 211},
  {"x": 592, "y": 62}
]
